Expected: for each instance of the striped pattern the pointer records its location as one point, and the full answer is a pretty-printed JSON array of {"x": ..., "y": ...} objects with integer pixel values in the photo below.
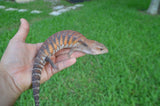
[{"x": 60, "y": 40}]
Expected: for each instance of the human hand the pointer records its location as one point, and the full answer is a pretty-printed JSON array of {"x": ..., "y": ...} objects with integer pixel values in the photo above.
[{"x": 18, "y": 59}]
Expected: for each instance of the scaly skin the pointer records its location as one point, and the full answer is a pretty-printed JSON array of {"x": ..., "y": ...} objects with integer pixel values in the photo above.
[{"x": 63, "y": 39}]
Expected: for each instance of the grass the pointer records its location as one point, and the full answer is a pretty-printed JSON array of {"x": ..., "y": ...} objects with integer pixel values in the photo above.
[{"x": 128, "y": 75}]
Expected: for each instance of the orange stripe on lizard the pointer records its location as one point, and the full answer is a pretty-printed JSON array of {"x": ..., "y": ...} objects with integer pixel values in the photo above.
[
  {"x": 55, "y": 46},
  {"x": 70, "y": 40},
  {"x": 50, "y": 48},
  {"x": 65, "y": 40},
  {"x": 46, "y": 52},
  {"x": 57, "y": 42}
]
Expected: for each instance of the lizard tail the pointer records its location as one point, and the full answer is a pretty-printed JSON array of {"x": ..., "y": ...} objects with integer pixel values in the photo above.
[{"x": 36, "y": 76}]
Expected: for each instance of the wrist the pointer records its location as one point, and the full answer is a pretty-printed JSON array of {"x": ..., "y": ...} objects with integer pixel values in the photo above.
[{"x": 8, "y": 90}]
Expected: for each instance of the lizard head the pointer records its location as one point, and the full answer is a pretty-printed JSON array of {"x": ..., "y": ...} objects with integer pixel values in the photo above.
[{"x": 92, "y": 47}]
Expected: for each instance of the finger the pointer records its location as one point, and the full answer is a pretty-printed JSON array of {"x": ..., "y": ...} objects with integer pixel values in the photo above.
[
  {"x": 48, "y": 71},
  {"x": 65, "y": 56},
  {"x": 62, "y": 51},
  {"x": 77, "y": 54},
  {"x": 62, "y": 57},
  {"x": 64, "y": 64},
  {"x": 66, "y": 51},
  {"x": 23, "y": 31}
]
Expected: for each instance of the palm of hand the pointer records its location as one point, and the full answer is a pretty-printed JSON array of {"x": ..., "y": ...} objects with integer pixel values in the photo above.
[{"x": 18, "y": 62}]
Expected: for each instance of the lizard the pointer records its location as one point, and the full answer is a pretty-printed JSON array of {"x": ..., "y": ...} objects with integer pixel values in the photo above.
[{"x": 62, "y": 39}]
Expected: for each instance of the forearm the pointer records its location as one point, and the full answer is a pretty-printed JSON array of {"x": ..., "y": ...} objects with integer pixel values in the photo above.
[{"x": 8, "y": 90}]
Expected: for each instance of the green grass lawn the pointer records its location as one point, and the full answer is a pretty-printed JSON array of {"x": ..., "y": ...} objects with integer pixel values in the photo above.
[{"x": 129, "y": 75}]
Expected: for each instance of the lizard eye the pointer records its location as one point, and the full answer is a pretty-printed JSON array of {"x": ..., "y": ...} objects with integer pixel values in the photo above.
[{"x": 101, "y": 49}]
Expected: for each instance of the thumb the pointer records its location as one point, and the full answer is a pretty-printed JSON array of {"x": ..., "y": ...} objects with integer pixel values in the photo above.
[{"x": 23, "y": 31}]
